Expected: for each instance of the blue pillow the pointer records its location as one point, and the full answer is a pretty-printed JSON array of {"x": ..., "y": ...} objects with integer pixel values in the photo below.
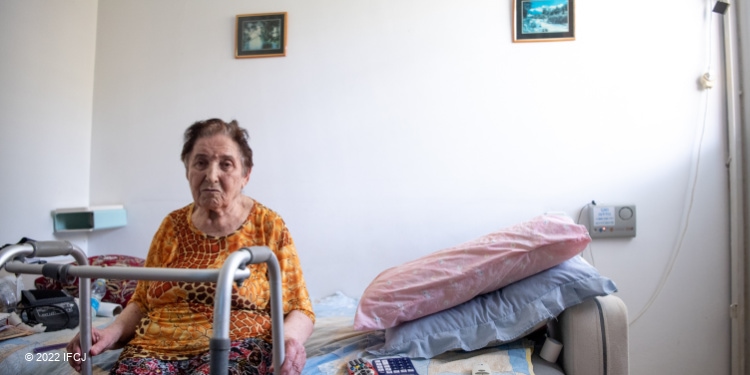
[{"x": 500, "y": 316}]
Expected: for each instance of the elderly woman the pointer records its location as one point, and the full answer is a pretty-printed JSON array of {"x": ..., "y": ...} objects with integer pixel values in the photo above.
[{"x": 166, "y": 326}]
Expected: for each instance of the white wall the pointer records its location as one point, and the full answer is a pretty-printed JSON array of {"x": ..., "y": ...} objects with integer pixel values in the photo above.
[
  {"x": 46, "y": 101},
  {"x": 393, "y": 129}
]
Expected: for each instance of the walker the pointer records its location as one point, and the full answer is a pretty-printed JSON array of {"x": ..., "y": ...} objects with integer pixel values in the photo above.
[{"x": 234, "y": 269}]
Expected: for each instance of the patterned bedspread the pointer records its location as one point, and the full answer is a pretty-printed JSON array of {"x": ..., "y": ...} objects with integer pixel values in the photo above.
[
  {"x": 17, "y": 355},
  {"x": 335, "y": 342}
]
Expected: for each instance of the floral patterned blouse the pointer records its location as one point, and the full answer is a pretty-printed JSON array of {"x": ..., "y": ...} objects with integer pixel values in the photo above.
[{"x": 179, "y": 315}]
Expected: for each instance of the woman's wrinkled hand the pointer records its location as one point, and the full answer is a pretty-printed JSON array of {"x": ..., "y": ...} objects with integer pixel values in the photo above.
[
  {"x": 295, "y": 357},
  {"x": 102, "y": 340}
]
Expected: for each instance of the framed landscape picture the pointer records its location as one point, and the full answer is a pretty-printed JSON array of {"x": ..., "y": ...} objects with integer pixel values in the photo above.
[
  {"x": 543, "y": 20},
  {"x": 260, "y": 35}
]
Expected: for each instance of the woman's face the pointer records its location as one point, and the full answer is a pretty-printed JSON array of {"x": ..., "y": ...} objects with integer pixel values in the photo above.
[{"x": 215, "y": 172}]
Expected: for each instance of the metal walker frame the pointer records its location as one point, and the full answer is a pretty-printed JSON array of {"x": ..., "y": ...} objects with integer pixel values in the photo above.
[{"x": 234, "y": 269}]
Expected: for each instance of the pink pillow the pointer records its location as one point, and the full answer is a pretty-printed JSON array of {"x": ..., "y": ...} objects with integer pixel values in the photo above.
[{"x": 455, "y": 275}]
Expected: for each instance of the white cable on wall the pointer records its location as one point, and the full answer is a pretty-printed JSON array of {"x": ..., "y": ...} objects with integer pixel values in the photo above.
[
  {"x": 685, "y": 221},
  {"x": 684, "y": 226}
]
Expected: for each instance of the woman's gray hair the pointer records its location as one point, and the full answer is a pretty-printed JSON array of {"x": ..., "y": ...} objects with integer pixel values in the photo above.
[{"x": 215, "y": 126}]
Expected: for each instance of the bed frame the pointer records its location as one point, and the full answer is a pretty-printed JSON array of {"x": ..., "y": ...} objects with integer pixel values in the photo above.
[{"x": 234, "y": 270}]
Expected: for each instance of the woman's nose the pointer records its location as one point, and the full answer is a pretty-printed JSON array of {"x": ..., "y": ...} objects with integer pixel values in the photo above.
[{"x": 212, "y": 173}]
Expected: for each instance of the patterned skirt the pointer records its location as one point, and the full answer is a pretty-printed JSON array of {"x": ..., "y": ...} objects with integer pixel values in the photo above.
[{"x": 246, "y": 357}]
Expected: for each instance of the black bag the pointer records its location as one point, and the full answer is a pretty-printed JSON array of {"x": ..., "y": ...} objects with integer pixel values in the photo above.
[{"x": 56, "y": 309}]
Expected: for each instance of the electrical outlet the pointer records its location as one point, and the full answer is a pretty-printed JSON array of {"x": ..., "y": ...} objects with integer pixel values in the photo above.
[{"x": 611, "y": 221}]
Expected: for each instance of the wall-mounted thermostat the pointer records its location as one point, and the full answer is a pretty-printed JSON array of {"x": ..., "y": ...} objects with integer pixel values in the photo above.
[{"x": 611, "y": 221}]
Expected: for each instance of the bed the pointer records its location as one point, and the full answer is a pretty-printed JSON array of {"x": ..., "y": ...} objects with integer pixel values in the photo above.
[
  {"x": 18, "y": 356},
  {"x": 582, "y": 314},
  {"x": 334, "y": 342},
  {"x": 496, "y": 299},
  {"x": 500, "y": 299}
]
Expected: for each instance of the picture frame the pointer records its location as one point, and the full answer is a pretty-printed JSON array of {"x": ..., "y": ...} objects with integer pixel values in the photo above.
[
  {"x": 543, "y": 20},
  {"x": 260, "y": 35}
]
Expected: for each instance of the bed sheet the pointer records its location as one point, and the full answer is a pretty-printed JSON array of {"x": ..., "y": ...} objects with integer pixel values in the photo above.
[
  {"x": 17, "y": 355},
  {"x": 334, "y": 342}
]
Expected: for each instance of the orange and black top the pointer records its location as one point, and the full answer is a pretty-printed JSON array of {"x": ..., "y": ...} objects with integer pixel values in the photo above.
[{"x": 179, "y": 315}]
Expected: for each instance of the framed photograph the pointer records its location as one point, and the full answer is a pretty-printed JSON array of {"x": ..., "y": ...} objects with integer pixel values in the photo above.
[
  {"x": 543, "y": 20},
  {"x": 260, "y": 35}
]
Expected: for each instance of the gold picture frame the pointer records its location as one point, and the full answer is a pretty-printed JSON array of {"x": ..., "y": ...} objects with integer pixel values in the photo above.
[
  {"x": 543, "y": 20},
  {"x": 260, "y": 35}
]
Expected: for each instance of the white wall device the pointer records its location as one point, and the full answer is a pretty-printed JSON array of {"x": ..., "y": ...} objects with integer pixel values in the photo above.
[{"x": 611, "y": 221}]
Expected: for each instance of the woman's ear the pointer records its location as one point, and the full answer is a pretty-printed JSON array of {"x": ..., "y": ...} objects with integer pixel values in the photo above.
[{"x": 246, "y": 179}]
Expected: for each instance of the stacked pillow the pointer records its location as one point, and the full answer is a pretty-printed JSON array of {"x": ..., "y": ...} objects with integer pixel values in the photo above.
[
  {"x": 498, "y": 317},
  {"x": 481, "y": 292}
]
